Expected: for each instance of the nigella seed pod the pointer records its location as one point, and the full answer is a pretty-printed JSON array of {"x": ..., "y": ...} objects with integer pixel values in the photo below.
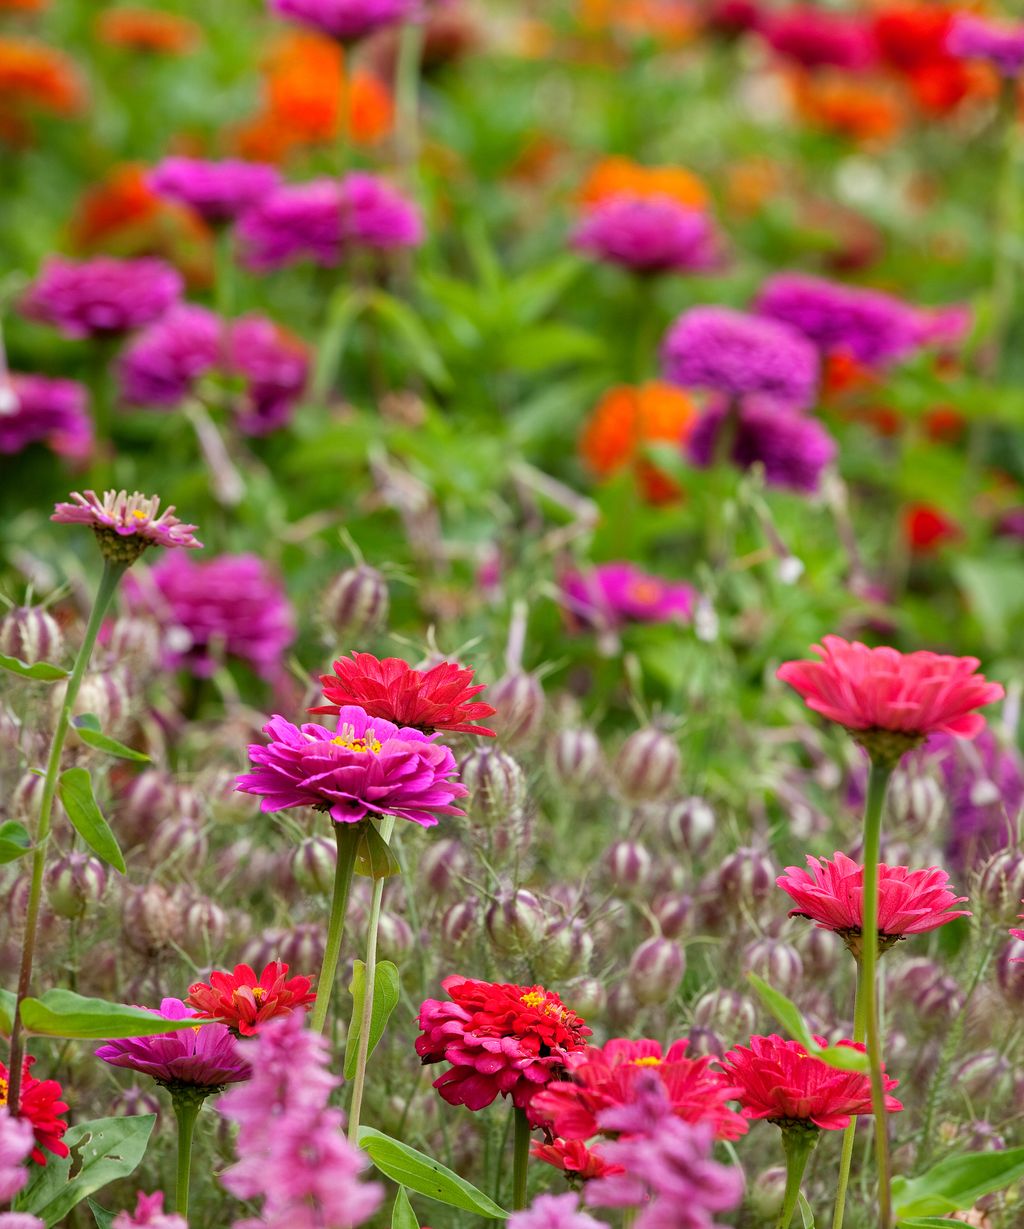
[
  {"x": 565, "y": 951},
  {"x": 820, "y": 950},
  {"x": 519, "y": 699},
  {"x": 355, "y": 604},
  {"x": 766, "y": 1194},
  {"x": 261, "y": 949},
  {"x": 27, "y": 795},
  {"x": 937, "y": 999},
  {"x": 204, "y": 928},
  {"x": 987, "y": 1076},
  {"x": 575, "y": 760},
  {"x": 702, "y": 1042},
  {"x": 302, "y": 948},
  {"x": 443, "y": 867},
  {"x": 394, "y": 938},
  {"x": 778, "y": 963},
  {"x": 587, "y": 997},
  {"x": 1001, "y": 886},
  {"x": 746, "y": 875},
  {"x": 150, "y": 919},
  {"x": 727, "y": 1012},
  {"x": 620, "y": 1007},
  {"x": 627, "y": 867},
  {"x": 313, "y": 865},
  {"x": 178, "y": 840},
  {"x": 75, "y": 882},
  {"x": 656, "y": 971},
  {"x": 146, "y": 801},
  {"x": 1010, "y": 972},
  {"x": 647, "y": 765},
  {"x": 133, "y": 1101},
  {"x": 497, "y": 787},
  {"x": 516, "y": 923},
  {"x": 674, "y": 912},
  {"x": 916, "y": 800},
  {"x": 31, "y": 634},
  {"x": 459, "y": 923},
  {"x": 688, "y": 826},
  {"x": 135, "y": 642}
]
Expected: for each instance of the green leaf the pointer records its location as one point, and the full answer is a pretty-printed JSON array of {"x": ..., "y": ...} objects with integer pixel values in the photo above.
[
  {"x": 386, "y": 985},
  {"x": 956, "y": 1183},
  {"x": 425, "y": 1176},
  {"x": 806, "y": 1215},
  {"x": 101, "y": 1216},
  {"x": 88, "y": 729},
  {"x": 413, "y": 334},
  {"x": 14, "y": 841},
  {"x": 845, "y": 1058},
  {"x": 101, "y": 1152},
  {"x": 63, "y": 1013},
  {"x": 41, "y": 671},
  {"x": 342, "y": 313},
  {"x": 8, "y": 1002},
  {"x": 374, "y": 857},
  {"x": 402, "y": 1214},
  {"x": 75, "y": 789}
]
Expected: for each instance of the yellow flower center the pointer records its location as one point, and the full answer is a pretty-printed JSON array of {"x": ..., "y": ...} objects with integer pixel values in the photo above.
[
  {"x": 139, "y": 516},
  {"x": 648, "y": 1061},
  {"x": 347, "y": 738},
  {"x": 259, "y": 994},
  {"x": 3, "y": 1091},
  {"x": 532, "y": 998}
]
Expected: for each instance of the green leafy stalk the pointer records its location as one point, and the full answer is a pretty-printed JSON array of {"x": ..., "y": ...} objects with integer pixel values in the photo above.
[
  {"x": 798, "y": 1141},
  {"x": 520, "y": 1158},
  {"x": 849, "y": 1135},
  {"x": 186, "y": 1111},
  {"x": 347, "y": 836}
]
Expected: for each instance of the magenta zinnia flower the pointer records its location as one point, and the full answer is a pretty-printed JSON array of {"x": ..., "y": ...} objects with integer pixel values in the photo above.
[
  {"x": 102, "y": 296},
  {"x": 369, "y": 766},
  {"x": 125, "y": 524},
  {"x": 976, "y": 38},
  {"x": 649, "y": 235},
  {"x": 35, "y": 409},
  {"x": 219, "y": 191},
  {"x": 17, "y": 1139},
  {"x": 816, "y": 38},
  {"x": 553, "y": 1212},
  {"x": 149, "y": 1214},
  {"x": 202, "y": 1058},
  {"x": 612, "y": 594},
  {"x": 347, "y": 20}
]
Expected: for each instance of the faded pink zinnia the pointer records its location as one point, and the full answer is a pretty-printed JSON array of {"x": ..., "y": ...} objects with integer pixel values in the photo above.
[{"x": 125, "y": 524}]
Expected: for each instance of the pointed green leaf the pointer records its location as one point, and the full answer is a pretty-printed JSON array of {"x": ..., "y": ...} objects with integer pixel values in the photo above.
[
  {"x": 845, "y": 1058},
  {"x": 806, "y": 1215},
  {"x": 956, "y": 1183},
  {"x": 41, "y": 671},
  {"x": 8, "y": 1003},
  {"x": 75, "y": 789},
  {"x": 425, "y": 1176},
  {"x": 402, "y": 1214},
  {"x": 101, "y": 1216},
  {"x": 408, "y": 329},
  {"x": 374, "y": 857},
  {"x": 88, "y": 729},
  {"x": 63, "y": 1013},
  {"x": 14, "y": 841},
  {"x": 386, "y": 991}
]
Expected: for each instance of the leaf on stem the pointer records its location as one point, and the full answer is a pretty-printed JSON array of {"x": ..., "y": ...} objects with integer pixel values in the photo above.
[
  {"x": 63, "y": 1013},
  {"x": 386, "y": 992},
  {"x": 956, "y": 1183},
  {"x": 425, "y": 1176},
  {"x": 374, "y": 856},
  {"x": 41, "y": 671},
  {"x": 87, "y": 726},
  {"x": 845, "y": 1058},
  {"x": 75, "y": 789},
  {"x": 14, "y": 841}
]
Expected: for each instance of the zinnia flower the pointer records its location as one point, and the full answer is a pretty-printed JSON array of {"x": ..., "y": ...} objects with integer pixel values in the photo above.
[
  {"x": 218, "y": 191},
  {"x": 553, "y": 1212},
  {"x": 346, "y": 20},
  {"x": 984, "y": 783},
  {"x": 440, "y": 698},
  {"x": 613, "y": 594},
  {"x": 780, "y": 1081},
  {"x": 816, "y": 38},
  {"x": 39, "y": 1103},
  {"x": 573, "y": 1158},
  {"x": 499, "y": 1039},
  {"x": 35, "y": 409},
  {"x": 623, "y": 177},
  {"x": 976, "y": 38},
  {"x": 125, "y": 525},
  {"x": 649, "y": 235},
  {"x": 149, "y": 1214},
  {"x": 831, "y": 894},
  {"x": 17, "y": 1138},
  {"x": 369, "y": 766},
  {"x": 243, "y": 1001},
  {"x": 101, "y": 297},
  {"x": 34, "y": 76},
  {"x": 147, "y": 30}
]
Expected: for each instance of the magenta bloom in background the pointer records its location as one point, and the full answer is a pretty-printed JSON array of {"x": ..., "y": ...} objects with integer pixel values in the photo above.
[
  {"x": 984, "y": 785},
  {"x": 346, "y": 20},
  {"x": 119, "y": 515},
  {"x": 149, "y": 1214},
  {"x": 794, "y": 450},
  {"x": 554, "y": 1212},
  {"x": 976, "y": 38},
  {"x": 369, "y": 766},
  {"x": 219, "y": 191},
  {"x": 612, "y": 594},
  {"x": 206, "y": 1057},
  {"x": 739, "y": 354},
  {"x": 38, "y": 410},
  {"x": 231, "y": 605},
  {"x": 17, "y": 1139},
  {"x": 814, "y": 38},
  {"x": 649, "y": 235},
  {"x": 103, "y": 296}
]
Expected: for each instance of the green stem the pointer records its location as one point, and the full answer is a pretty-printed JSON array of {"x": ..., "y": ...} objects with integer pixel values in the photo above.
[
  {"x": 850, "y": 1133},
  {"x": 387, "y": 827},
  {"x": 186, "y": 1111},
  {"x": 347, "y": 836},
  {"x": 878, "y": 782},
  {"x": 798, "y": 1142},
  {"x": 407, "y": 81},
  {"x": 520, "y": 1158},
  {"x": 224, "y": 273},
  {"x": 112, "y": 573}
]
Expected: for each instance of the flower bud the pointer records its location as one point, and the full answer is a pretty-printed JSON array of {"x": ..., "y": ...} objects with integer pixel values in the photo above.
[
  {"x": 135, "y": 642},
  {"x": 820, "y": 950},
  {"x": 986, "y": 1077},
  {"x": 133, "y": 1101},
  {"x": 519, "y": 699},
  {"x": 1001, "y": 885},
  {"x": 688, "y": 827},
  {"x": 443, "y": 867},
  {"x": 746, "y": 876},
  {"x": 628, "y": 868},
  {"x": 313, "y": 864},
  {"x": 394, "y": 938},
  {"x": 656, "y": 971},
  {"x": 179, "y": 840},
  {"x": 586, "y": 996},
  {"x": 766, "y": 1194},
  {"x": 516, "y": 923},
  {"x": 620, "y": 1007},
  {"x": 647, "y": 765},
  {"x": 31, "y": 634},
  {"x": 565, "y": 951},
  {"x": 497, "y": 787},
  {"x": 916, "y": 800},
  {"x": 459, "y": 923},
  {"x": 75, "y": 882},
  {"x": 775, "y": 962},
  {"x": 1010, "y": 971},
  {"x": 146, "y": 801},
  {"x": 727, "y": 1012},
  {"x": 204, "y": 928},
  {"x": 150, "y": 918},
  {"x": 937, "y": 999},
  {"x": 575, "y": 760},
  {"x": 674, "y": 913},
  {"x": 703, "y": 1042},
  {"x": 302, "y": 947},
  {"x": 355, "y": 604}
]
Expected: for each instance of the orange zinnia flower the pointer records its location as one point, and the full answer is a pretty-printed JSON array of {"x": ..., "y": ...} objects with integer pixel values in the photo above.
[
  {"x": 628, "y": 418},
  {"x": 850, "y": 107},
  {"x": 22, "y": 6},
  {"x": 139, "y": 29},
  {"x": 621, "y": 176},
  {"x": 34, "y": 76}
]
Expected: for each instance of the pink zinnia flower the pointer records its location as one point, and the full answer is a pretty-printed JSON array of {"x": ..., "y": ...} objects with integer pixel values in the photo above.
[
  {"x": 35, "y": 409},
  {"x": 125, "y": 524},
  {"x": 103, "y": 296},
  {"x": 553, "y": 1212},
  {"x": 613, "y": 594},
  {"x": 649, "y": 235},
  {"x": 974, "y": 38},
  {"x": 218, "y": 191},
  {"x": 914, "y": 694},
  {"x": 347, "y": 20},
  {"x": 20, "y": 1220},
  {"x": 815, "y": 38},
  {"x": 573, "y": 1158},
  {"x": 244, "y": 1002},
  {"x": 17, "y": 1139},
  {"x": 368, "y": 766},
  {"x": 780, "y": 1081},
  {"x": 149, "y": 1214},
  {"x": 831, "y": 894}
]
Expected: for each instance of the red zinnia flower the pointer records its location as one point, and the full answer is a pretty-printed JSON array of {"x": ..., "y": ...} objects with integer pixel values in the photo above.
[
  {"x": 437, "y": 699},
  {"x": 915, "y": 694},
  {"x": 243, "y": 1002},
  {"x": 574, "y": 1158},
  {"x": 39, "y": 1102},
  {"x": 500, "y": 1039},
  {"x": 780, "y": 1081},
  {"x": 604, "y": 1078},
  {"x": 831, "y": 894},
  {"x": 925, "y": 528}
]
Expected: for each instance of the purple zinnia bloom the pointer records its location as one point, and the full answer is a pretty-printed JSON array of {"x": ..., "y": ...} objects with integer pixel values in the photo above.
[
  {"x": 103, "y": 296},
  {"x": 126, "y": 524},
  {"x": 230, "y": 604},
  {"x": 163, "y": 364},
  {"x": 17, "y": 1139},
  {"x": 975, "y": 38},
  {"x": 872, "y": 327},
  {"x": 794, "y": 450},
  {"x": 346, "y": 20},
  {"x": 149, "y": 1214},
  {"x": 612, "y": 594},
  {"x": 649, "y": 235},
  {"x": 815, "y": 38},
  {"x": 1011, "y": 524},
  {"x": 219, "y": 191},
  {"x": 554, "y": 1212},
  {"x": 205, "y": 1057},
  {"x": 737, "y": 354},
  {"x": 984, "y": 783},
  {"x": 368, "y": 766},
  {"x": 35, "y": 409}
]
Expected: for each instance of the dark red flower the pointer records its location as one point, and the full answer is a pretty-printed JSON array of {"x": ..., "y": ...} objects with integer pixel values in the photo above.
[
  {"x": 39, "y": 1101},
  {"x": 437, "y": 699},
  {"x": 575, "y": 1159},
  {"x": 243, "y": 1002}
]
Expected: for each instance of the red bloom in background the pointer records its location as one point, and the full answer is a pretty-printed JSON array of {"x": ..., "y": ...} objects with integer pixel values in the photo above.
[
  {"x": 39, "y": 1102},
  {"x": 925, "y": 528},
  {"x": 500, "y": 1039},
  {"x": 574, "y": 1158},
  {"x": 882, "y": 689},
  {"x": 243, "y": 1002},
  {"x": 605, "y": 1078},
  {"x": 780, "y": 1081},
  {"x": 437, "y": 699}
]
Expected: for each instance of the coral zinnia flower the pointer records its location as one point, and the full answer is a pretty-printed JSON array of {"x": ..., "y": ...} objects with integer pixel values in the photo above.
[
  {"x": 499, "y": 1039},
  {"x": 613, "y": 594},
  {"x": 39, "y": 1103},
  {"x": 913, "y": 694},
  {"x": 780, "y": 1081},
  {"x": 147, "y": 30},
  {"x": 831, "y": 894},
  {"x": 35, "y": 75},
  {"x": 243, "y": 1002},
  {"x": 618, "y": 176},
  {"x": 369, "y": 766},
  {"x": 574, "y": 1158},
  {"x": 125, "y": 524},
  {"x": 440, "y": 698},
  {"x": 604, "y": 1078}
]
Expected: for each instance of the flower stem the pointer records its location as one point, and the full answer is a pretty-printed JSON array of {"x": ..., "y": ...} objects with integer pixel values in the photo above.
[
  {"x": 347, "y": 836},
  {"x": 186, "y": 1111},
  {"x": 878, "y": 782},
  {"x": 112, "y": 573},
  {"x": 850, "y": 1133},
  {"x": 407, "y": 84},
  {"x": 520, "y": 1158},
  {"x": 799, "y": 1142},
  {"x": 387, "y": 827}
]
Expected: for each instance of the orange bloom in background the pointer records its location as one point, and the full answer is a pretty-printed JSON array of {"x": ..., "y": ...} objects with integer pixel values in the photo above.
[
  {"x": 926, "y": 529},
  {"x": 621, "y": 176},
  {"x": 625, "y": 420},
  {"x": 843, "y": 374},
  {"x": 751, "y": 184},
  {"x": 672, "y": 22},
  {"x": 23, "y": 6},
  {"x": 944, "y": 424},
  {"x": 847, "y": 105},
  {"x": 34, "y": 76},
  {"x": 149, "y": 30}
]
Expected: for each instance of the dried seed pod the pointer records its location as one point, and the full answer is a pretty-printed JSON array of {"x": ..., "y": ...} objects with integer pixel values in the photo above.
[
  {"x": 688, "y": 826},
  {"x": 776, "y": 962},
  {"x": 204, "y": 927},
  {"x": 497, "y": 787},
  {"x": 628, "y": 868},
  {"x": 313, "y": 864},
  {"x": 575, "y": 760},
  {"x": 519, "y": 699},
  {"x": 31, "y": 634},
  {"x": 151, "y": 919},
  {"x": 355, "y": 605},
  {"x": 460, "y": 923},
  {"x": 74, "y": 883},
  {"x": 516, "y": 923},
  {"x": 656, "y": 971},
  {"x": 443, "y": 867},
  {"x": 647, "y": 765},
  {"x": 746, "y": 876}
]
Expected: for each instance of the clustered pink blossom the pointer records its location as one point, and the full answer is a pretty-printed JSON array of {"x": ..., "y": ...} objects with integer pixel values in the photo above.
[
  {"x": 103, "y": 296},
  {"x": 37, "y": 410},
  {"x": 554, "y": 1212},
  {"x": 218, "y": 191},
  {"x": 649, "y": 235},
  {"x": 149, "y": 1214},
  {"x": 17, "y": 1140},
  {"x": 347, "y": 20}
]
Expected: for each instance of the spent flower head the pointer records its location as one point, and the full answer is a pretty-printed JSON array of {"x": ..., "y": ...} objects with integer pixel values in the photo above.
[{"x": 125, "y": 524}]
